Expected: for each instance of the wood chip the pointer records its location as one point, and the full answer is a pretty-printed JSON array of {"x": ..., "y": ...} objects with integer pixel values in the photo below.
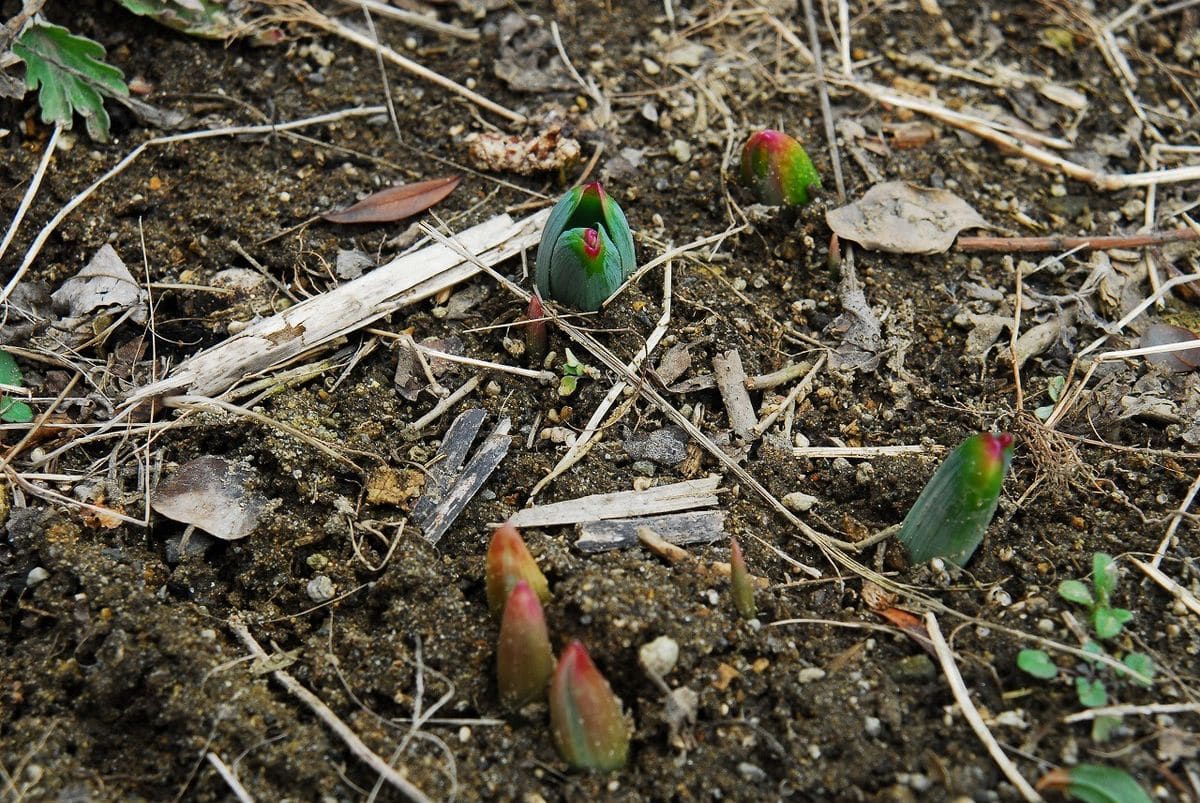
[
  {"x": 686, "y": 495},
  {"x": 694, "y": 527},
  {"x": 731, "y": 382}
]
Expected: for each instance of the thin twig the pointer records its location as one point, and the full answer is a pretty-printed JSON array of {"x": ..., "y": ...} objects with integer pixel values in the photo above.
[
  {"x": 1176, "y": 517},
  {"x": 416, "y": 20},
  {"x": 1012, "y": 245},
  {"x": 231, "y": 779},
  {"x": 445, "y": 404},
  {"x": 1173, "y": 588},
  {"x": 963, "y": 698},
  {"x": 1125, "y": 710},
  {"x": 31, "y": 190},
  {"x": 314, "y": 703}
]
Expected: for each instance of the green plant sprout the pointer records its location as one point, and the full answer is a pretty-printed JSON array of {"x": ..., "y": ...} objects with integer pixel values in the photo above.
[
  {"x": 572, "y": 371},
  {"x": 586, "y": 250},
  {"x": 1107, "y": 622},
  {"x": 777, "y": 169},
  {"x": 11, "y": 410},
  {"x": 952, "y": 513},
  {"x": 1054, "y": 389}
]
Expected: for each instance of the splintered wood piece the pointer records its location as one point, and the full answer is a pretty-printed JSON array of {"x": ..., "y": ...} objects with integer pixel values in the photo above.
[
  {"x": 455, "y": 445},
  {"x": 694, "y": 527},
  {"x": 478, "y": 469},
  {"x": 731, "y": 382},
  {"x": 686, "y": 495},
  {"x": 396, "y": 203},
  {"x": 316, "y": 321}
]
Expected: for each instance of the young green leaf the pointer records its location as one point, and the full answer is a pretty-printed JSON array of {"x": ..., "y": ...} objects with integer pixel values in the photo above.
[
  {"x": 1075, "y": 591},
  {"x": 1140, "y": 663},
  {"x": 1103, "y": 727},
  {"x": 1108, "y": 621},
  {"x": 585, "y": 715},
  {"x": 743, "y": 589},
  {"x": 951, "y": 514},
  {"x": 72, "y": 75},
  {"x": 1093, "y": 783},
  {"x": 11, "y": 410},
  {"x": 1092, "y": 648},
  {"x": 1104, "y": 577},
  {"x": 1036, "y": 663},
  {"x": 1092, "y": 693}
]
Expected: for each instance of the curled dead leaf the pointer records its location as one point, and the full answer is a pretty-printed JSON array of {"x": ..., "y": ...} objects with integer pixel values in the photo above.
[{"x": 396, "y": 203}]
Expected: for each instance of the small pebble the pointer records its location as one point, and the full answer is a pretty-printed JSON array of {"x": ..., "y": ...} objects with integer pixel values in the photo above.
[
  {"x": 464, "y": 734},
  {"x": 681, "y": 151},
  {"x": 658, "y": 657},
  {"x": 751, "y": 772},
  {"x": 872, "y": 726},
  {"x": 643, "y": 467},
  {"x": 811, "y": 673},
  {"x": 799, "y": 502},
  {"x": 651, "y": 67},
  {"x": 320, "y": 588},
  {"x": 36, "y": 575},
  {"x": 1045, "y": 625},
  {"x": 492, "y": 389}
]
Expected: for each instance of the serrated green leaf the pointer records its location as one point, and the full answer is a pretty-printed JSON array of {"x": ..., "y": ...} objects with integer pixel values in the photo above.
[
  {"x": 1036, "y": 663},
  {"x": 1140, "y": 663},
  {"x": 12, "y": 411},
  {"x": 72, "y": 76},
  {"x": 1109, "y": 621},
  {"x": 1075, "y": 591},
  {"x": 193, "y": 17},
  {"x": 1092, "y": 693},
  {"x": 1097, "y": 784}
]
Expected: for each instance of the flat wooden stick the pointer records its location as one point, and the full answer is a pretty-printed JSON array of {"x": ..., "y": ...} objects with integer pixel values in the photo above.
[{"x": 1012, "y": 245}]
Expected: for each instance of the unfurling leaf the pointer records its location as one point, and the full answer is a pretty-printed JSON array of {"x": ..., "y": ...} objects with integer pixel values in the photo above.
[
  {"x": 950, "y": 516},
  {"x": 72, "y": 75},
  {"x": 396, "y": 203},
  {"x": 1093, "y": 783},
  {"x": 1075, "y": 591},
  {"x": 585, "y": 715},
  {"x": 777, "y": 169}
]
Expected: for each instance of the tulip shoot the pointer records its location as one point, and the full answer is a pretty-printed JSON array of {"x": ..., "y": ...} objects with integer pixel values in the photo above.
[
  {"x": 952, "y": 513},
  {"x": 508, "y": 563},
  {"x": 777, "y": 169},
  {"x": 586, "y": 250},
  {"x": 524, "y": 661},
  {"x": 585, "y": 716},
  {"x": 743, "y": 589}
]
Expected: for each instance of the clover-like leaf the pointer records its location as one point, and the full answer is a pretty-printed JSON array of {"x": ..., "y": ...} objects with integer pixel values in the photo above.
[
  {"x": 1108, "y": 622},
  {"x": 1075, "y": 591},
  {"x": 1091, "y": 693},
  {"x": 1036, "y": 663},
  {"x": 1142, "y": 664},
  {"x": 11, "y": 410},
  {"x": 72, "y": 75}
]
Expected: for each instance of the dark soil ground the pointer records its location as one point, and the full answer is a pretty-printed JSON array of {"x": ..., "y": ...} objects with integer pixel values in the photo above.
[{"x": 119, "y": 672}]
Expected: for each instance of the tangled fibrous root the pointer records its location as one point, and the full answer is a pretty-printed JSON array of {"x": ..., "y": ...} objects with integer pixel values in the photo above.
[{"x": 1056, "y": 463}]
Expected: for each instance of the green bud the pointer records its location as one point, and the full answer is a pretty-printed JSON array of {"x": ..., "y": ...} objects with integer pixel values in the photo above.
[{"x": 586, "y": 251}]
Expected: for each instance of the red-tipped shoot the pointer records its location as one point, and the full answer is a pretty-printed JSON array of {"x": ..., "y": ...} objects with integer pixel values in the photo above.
[
  {"x": 740, "y": 584},
  {"x": 524, "y": 661},
  {"x": 585, "y": 716},
  {"x": 508, "y": 563},
  {"x": 537, "y": 332}
]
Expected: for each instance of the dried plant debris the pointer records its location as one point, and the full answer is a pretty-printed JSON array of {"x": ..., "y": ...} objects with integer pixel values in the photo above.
[
  {"x": 352, "y": 263},
  {"x": 104, "y": 283},
  {"x": 693, "y": 527},
  {"x": 448, "y": 490},
  {"x": 1162, "y": 334},
  {"x": 528, "y": 60},
  {"x": 396, "y": 203},
  {"x": 679, "y": 496},
  {"x": 901, "y": 218},
  {"x": 213, "y": 494},
  {"x": 548, "y": 151}
]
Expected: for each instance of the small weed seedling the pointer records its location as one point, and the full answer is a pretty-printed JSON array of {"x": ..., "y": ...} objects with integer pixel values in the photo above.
[{"x": 1107, "y": 622}]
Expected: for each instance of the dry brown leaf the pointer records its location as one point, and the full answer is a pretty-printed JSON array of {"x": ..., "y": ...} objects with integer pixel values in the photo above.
[
  {"x": 901, "y": 218},
  {"x": 396, "y": 203}
]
